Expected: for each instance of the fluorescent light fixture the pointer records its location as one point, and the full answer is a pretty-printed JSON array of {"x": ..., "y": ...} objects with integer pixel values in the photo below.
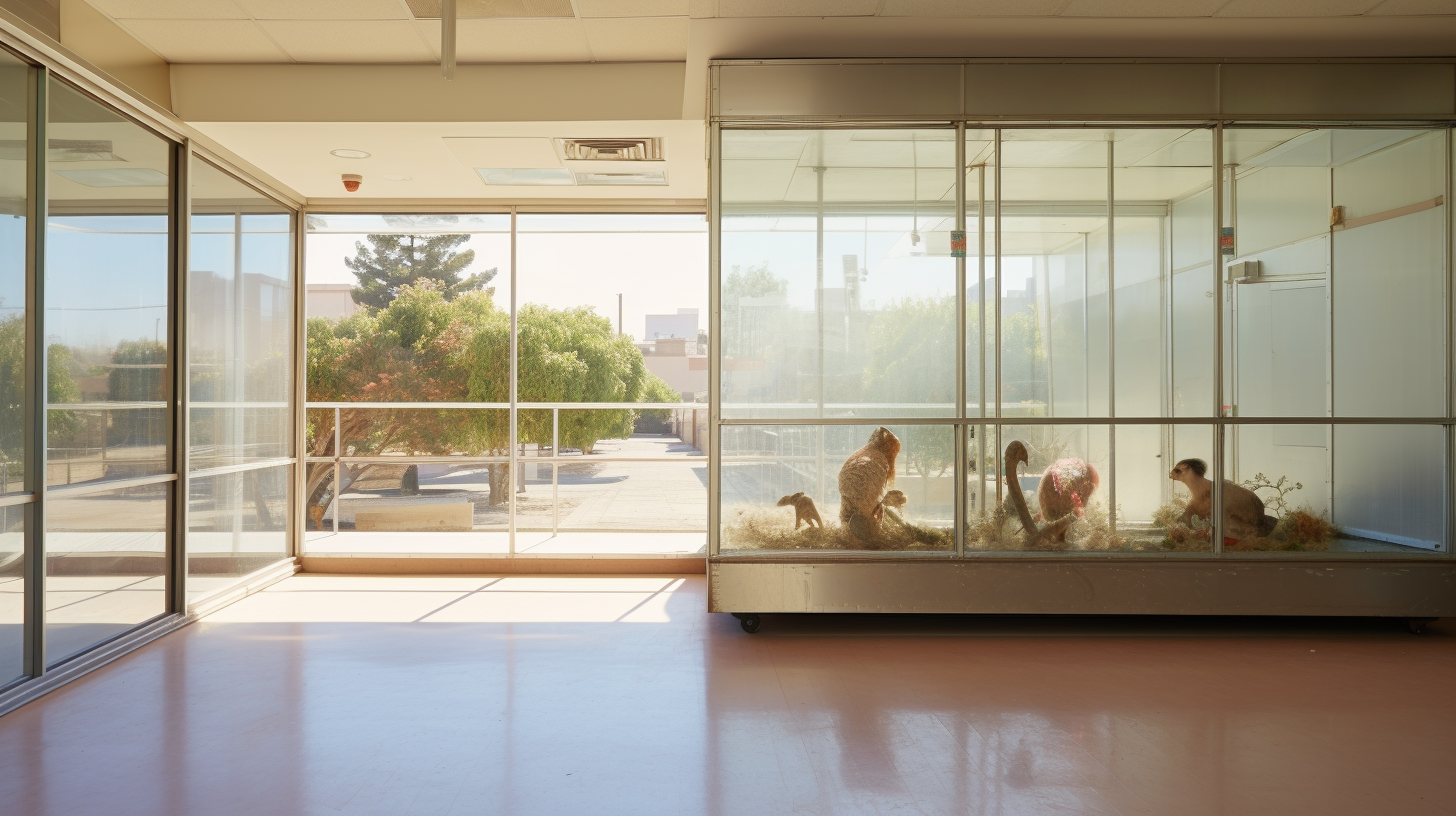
[
  {"x": 116, "y": 177},
  {"x": 347, "y": 153},
  {"x": 637, "y": 179},
  {"x": 524, "y": 176}
]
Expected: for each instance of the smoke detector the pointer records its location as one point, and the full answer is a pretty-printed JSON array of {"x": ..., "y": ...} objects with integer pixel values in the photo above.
[{"x": 647, "y": 149}]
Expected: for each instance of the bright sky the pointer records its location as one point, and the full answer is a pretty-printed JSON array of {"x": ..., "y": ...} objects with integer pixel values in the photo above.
[{"x": 658, "y": 272}]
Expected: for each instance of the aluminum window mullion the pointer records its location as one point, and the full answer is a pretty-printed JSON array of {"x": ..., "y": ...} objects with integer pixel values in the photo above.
[
  {"x": 1220, "y": 416},
  {"x": 514, "y": 410},
  {"x": 180, "y": 356},
  {"x": 715, "y": 342},
  {"x": 961, "y": 469},
  {"x": 36, "y": 454}
]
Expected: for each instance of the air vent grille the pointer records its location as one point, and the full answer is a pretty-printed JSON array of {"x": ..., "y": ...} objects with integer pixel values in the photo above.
[
  {"x": 649, "y": 149},
  {"x": 494, "y": 9}
]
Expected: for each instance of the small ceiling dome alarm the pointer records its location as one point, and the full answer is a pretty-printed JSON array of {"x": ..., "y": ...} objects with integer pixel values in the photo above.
[{"x": 352, "y": 182}]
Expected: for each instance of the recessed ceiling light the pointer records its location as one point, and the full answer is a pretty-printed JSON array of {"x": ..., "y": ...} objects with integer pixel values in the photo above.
[
  {"x": 397, "y": 178},
  {"x": 519, "y": 176},
  {"x": 349, "y": 154}
]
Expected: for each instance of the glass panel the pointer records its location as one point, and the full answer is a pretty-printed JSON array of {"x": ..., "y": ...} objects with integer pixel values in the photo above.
[
  {"x": 238, "y": 524},
  {"x": 838, "y": 283},
  {"x": 240, "y": 329},
  {"x": 408, "y": 308},
  {"x": 612, "y": 308},
  {"x": 12, "y": 592},
  {"x": 15, "y": 80},
  {"x": 319, "y": 495},
  {"x": 419, "y": 432},
  {"x": 841, "y": 487},
  {"x": 425, "y": 497},
  {"x": 1054, "y": 257},
  {"x": 107, "y": 293},
  {"x": 1329, "y": 225},
  {"x": 106, "y": 565},
  {"x": 1163, "y": 216},
  {"x": 980, "y": 186},
  {"x": 1346, "y": 488}
]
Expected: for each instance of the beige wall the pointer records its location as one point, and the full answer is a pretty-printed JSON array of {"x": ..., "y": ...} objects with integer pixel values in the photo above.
[{"x": 102, "y": 43}]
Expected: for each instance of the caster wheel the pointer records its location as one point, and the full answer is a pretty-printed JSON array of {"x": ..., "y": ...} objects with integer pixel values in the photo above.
[
  {"x": 750, "y": 623},
  {"x": 1417, "y": 625}
]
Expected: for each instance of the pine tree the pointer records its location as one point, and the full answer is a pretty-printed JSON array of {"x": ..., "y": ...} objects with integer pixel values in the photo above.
[{"x": 396, "y": 261}]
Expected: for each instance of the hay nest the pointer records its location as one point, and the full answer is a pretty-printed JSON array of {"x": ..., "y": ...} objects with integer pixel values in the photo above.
[{"x": 749, "y": 527}]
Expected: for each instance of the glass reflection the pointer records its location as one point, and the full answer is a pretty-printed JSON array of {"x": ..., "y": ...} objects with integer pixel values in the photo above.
[
  {"x": 838, "y": 290},
  {"x": 240, "y": 329},
  {"x": 106, "y": 565},
  {"x": 238, "y": 524},
  {"x": 14, "y": 168},
  {"x": 107, "y": 293},
  {"x": 12, "y": 592}
]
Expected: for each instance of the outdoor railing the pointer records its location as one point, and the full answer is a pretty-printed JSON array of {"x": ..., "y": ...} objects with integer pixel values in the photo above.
[{"x": 689, "y": 420}]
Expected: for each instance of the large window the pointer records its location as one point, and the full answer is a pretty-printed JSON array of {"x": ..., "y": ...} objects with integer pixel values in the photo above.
[
  {"x": 1123, "y": 338},
  {"x": 16, "y": 485},
  {"x": 412, "y": 322},
  {"x": 108, "y": 329}
]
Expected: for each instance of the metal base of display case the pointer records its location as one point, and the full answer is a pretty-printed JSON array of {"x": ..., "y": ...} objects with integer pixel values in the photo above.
[{"x": 1367, "y": 587}]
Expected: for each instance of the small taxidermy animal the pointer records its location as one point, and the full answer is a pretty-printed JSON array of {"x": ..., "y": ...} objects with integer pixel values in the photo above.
[
  {"x": 1243, "y": 510},
  {"x": 863, "y": 479},
  {"x": 804, "y": 510}
]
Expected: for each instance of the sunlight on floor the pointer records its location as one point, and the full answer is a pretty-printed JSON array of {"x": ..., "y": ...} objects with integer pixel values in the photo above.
[{"x": 455, "y": 599}]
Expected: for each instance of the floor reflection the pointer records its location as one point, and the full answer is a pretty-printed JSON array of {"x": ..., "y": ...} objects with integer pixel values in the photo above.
[{"x": 615, "y": 694}]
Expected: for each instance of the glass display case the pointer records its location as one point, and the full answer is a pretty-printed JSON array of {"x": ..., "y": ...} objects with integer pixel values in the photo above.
[{"x": 1051, "y": 367}]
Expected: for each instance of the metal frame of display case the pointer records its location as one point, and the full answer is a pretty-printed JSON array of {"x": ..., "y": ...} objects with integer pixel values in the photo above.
[{"x": 838, "y": 94}]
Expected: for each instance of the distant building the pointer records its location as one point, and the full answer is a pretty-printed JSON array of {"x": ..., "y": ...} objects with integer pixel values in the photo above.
[
  {"x": 331, "y": 300},
  {"x": 671, "y": 350},
  {"x": 680, "y": 326}
]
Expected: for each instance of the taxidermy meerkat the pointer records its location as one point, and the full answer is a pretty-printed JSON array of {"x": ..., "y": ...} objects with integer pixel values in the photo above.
[
  {"x": 1243, "y": 510},
  {"x": 863, "y": 479},
  {"x": 893, "y": 501},
  {"x": 1063, "y": 493},
  {"x": 804, "y": 510}
]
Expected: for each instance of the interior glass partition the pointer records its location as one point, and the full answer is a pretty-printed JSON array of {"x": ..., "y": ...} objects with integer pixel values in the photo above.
[
  {"x": 1187, "y": 341},
  {"x": 108, "y": 329},
  {"x": 240, "y": 370}
]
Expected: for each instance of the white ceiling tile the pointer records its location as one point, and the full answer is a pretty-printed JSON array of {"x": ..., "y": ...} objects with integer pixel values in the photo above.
[
  {"x": 514, "y": 40},
  {"x": 1415, "y": 7},
  {"x": 171, "y": 9},
  {"x": 1142, "y": 8},
  {"x": 971, "y": 8},
  {"x": 326, "y": 9},
  {"x": 1296, "y": 8},
  {"x": 349, "y": 40},
  {"x": 207, "y": 40},
  {"x": 797, "y": 8},
  {"x": 644, "y": 39},
  {"x": 632, "y": 8}
]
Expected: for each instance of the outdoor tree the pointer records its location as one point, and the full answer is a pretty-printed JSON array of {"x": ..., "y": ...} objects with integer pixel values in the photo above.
[
  {"x": 392, "y": 262},
  {"x": 910, "y": 340},
  {"x": 424, "y": 347},
  {"x": 61, "y": 389}
]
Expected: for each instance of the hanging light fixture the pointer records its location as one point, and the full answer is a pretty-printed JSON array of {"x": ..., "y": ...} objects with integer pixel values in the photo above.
[{"x": 448, "y": 19}]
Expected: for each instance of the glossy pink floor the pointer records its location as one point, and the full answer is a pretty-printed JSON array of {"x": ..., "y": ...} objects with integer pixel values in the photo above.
[{"x": 609, "y": 695}]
